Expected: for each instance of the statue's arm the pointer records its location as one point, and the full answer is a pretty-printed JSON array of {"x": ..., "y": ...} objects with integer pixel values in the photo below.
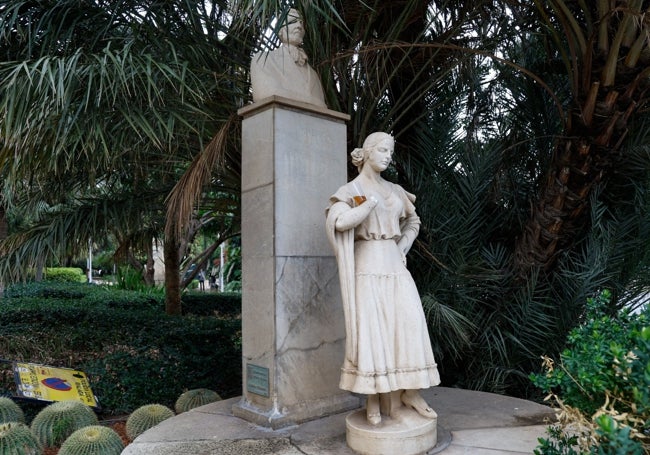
[
  {"x": 352, "y": 217},
  {"x": 410, "y": 230},
  {"x": 410, "y": 225}
]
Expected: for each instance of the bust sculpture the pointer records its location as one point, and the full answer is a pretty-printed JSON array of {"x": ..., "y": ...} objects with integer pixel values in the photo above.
[
  {"x": 371, "y": 224},
  {"x": 284, "y": 71}
]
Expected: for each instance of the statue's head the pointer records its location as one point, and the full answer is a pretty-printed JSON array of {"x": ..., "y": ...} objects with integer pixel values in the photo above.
[
  {"x": 374, "y": 140},
  {"x": 292, "y": 31}
]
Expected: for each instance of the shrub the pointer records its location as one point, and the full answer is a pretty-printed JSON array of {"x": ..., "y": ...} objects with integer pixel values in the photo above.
[
  {"x": 10, "y": 411},
  {"x": 558, "y": 443},
  {"x": 17, "y": 439},
  {"x": 47, "y": 289},
  {"x": 65, "y": 274},
  {"x": 132, "y": 279},
  {"x": 93, "y": 440},
  {"x": 195, "y": 398},
  {"x": 226, "y": 304},
  {"x": 146, "y": 417},
  {"x": 132, "y": 352},
  {"x": 59, "y": 420},
  {"x": 85, "y": 295},
  {"x": 602, "y": 382},
  {"x": 615, "y": 438},
  {"x": 171, "y": 352}
]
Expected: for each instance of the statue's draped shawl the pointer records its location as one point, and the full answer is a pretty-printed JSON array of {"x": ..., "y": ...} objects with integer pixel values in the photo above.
[{"x": 343, "y": 245}]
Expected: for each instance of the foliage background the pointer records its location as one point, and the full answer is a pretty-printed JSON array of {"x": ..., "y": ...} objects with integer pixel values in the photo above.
[
  {"x": 601, "y": 384},
  {"x": 521, "y": 126},
  {"x": 132, "y": 352}
]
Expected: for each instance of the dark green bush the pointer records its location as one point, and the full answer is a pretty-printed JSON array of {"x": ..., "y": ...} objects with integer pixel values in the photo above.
[
  {"x": 47, "y": 289},
  {"x": 133, "y": 353},
  {"x": 602, "y": 382},
  {"x": 558, "y": 443},
  {"x": 168, "y": 357},
  {"x": 227, "y": 304},
  {"x": 86, "y": 294}
]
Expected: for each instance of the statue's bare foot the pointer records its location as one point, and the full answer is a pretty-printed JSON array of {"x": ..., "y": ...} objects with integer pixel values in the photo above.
[
  {"x": 373, "y": 413},
  {"x": 413, "y": 399}
]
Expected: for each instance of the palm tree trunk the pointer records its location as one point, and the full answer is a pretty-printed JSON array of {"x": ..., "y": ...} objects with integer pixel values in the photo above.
[
  {"x": 586, "y": 154},
  {"x": 610, "y": 82},
  {"x": 172, "y": 276},
  {"x": 4, "y": 232},
  {"x": 149, "y": 270}
]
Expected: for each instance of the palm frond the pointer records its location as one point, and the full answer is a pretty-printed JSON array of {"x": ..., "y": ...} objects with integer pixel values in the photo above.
[{"x": 182, "y": 200}]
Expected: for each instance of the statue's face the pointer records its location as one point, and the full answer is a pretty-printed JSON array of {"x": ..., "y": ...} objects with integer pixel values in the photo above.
[
  {"x": 379, "y": 157},
  {"x": 293, "y": 32}
]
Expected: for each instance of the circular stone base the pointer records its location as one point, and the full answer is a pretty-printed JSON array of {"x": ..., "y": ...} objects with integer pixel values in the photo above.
[{"x": 406, "y": 433}]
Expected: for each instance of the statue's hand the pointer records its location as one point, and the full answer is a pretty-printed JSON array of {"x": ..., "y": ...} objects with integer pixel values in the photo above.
[
  {"x": 355, "y": 215},
  {"x": 403, "y": 246}
]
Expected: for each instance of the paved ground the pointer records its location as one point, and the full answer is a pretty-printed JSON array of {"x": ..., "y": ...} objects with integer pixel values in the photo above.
[{"x": 469, "y": 423}]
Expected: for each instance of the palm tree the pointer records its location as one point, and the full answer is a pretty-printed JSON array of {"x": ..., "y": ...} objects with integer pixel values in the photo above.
[
  {"x": 97, "y": 94},
  {"x": 606, "y": 52},
  {"x": 479, "y": 149},
  {"x": 519, "y": 125}
]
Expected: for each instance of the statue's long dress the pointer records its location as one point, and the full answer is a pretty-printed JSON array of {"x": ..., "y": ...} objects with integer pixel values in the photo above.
[{"x": 387, "y": 345}]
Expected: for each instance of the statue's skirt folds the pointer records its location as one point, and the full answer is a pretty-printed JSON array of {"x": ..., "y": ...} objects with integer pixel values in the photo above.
[{"x": 393, "y": 346}]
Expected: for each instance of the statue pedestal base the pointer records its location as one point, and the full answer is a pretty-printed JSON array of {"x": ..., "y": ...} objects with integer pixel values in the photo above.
[{"x": 405, "y": 433}]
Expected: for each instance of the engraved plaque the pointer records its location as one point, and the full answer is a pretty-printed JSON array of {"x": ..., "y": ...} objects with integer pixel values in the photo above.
[{"x": 257, "y": 380}]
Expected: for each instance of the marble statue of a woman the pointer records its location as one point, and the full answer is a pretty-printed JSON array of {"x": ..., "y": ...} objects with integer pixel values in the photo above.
[{"x": 371, "y": 224}]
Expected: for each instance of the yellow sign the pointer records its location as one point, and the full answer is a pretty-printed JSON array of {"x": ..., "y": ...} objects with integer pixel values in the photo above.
[{"x": 45, "y": 383}]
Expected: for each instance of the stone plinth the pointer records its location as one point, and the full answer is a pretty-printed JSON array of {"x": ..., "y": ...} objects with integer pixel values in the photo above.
[
  {"x": 293, "y": 159},
  {"x": 406, "y": 433}
]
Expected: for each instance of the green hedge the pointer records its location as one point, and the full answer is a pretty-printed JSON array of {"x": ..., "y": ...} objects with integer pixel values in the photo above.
[
  {"x": 86, "y": 294},
  {"x": 133, "y": 353},
  {"x": 226, "y": 304},
  {"x": 65, "y": 274}
]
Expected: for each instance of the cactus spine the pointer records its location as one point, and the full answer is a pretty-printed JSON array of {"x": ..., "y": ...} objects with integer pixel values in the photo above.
[
  {"x": 93, "y": 440},
  {"x": 10, "y": 411},
  {"x": 195, "y": 398},
  {"x": 17, "y": 439},
  {"x": 59, "y": 420},
  {"x": 146, "y": 417}
]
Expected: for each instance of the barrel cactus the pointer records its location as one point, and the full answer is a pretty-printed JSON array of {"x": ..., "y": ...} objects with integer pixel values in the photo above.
[
  {"x": 195, "y": 398},
  {"x": 93, "y": 440},
  {"x": 17, "y": 439},
  {"x": 59, "y": 420},
  {"x": 10, "y": 411},
  {"x": 146, "y": 417}
]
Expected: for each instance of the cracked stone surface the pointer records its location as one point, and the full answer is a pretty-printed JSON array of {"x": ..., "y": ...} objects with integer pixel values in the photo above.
[{"x": 468, "y": 422}]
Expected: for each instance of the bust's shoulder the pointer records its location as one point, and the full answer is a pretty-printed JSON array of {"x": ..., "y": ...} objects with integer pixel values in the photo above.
[
  {"x": 268, "y": 53},
  {"x": 268, "y": 59}
]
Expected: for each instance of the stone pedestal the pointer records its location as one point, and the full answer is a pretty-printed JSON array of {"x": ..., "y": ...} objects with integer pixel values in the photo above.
[
  {"x": 293, "y": 331},
  {"x": 403, "y": 433},
  {"x": 402, "y": 430}
]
